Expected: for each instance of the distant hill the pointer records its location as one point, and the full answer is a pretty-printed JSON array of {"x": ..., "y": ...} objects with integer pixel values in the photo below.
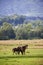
[{"x": 18, "y": 19}]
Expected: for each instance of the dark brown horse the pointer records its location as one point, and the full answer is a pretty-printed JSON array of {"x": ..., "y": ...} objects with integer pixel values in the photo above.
[
  {"x": 16, "y": 50},
  {"x": 20, "y": 49},
  {"x": 23, "y": 48}
]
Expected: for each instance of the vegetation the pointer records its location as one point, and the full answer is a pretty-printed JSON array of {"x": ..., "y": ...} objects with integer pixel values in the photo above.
[
  {"x": 6, "y": 31},
  {"x": 21, "y": 27},
  {"x": 22, "y": 31}
]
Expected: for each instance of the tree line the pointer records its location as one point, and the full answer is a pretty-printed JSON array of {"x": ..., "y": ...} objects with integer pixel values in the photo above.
[{"x": 21, "y": 31}]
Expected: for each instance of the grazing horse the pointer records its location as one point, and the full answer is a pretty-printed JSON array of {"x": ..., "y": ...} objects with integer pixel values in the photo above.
[
  {"x": 20, "y": 49},
  {"x": 15, "y": 50}
]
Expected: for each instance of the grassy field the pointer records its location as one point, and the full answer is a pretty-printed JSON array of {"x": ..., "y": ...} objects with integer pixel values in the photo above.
[{"x": 33, "y": 55}]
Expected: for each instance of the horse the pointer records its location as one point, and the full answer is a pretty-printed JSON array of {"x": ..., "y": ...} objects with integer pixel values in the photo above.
[
  {"x": 20, "y": 49},
  {"x": 23, "y": 48},
  {"x": 16, "y": 50}
]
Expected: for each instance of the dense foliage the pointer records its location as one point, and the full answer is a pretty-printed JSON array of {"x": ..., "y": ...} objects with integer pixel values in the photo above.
[{"x": 28, "y": 30}]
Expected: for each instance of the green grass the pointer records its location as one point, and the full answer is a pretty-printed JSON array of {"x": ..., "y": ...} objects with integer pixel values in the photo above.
[
  {"x": 21, "y": 61},
  {"x": 32, "y": 56}
]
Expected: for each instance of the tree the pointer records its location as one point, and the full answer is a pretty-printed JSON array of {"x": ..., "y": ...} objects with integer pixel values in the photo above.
[
  {"x": 22, "y": 32},
  {"x": 7, "y": 31}
]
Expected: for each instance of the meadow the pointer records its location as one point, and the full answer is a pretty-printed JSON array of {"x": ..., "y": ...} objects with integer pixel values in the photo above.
[{"x": 33, "y": 55}]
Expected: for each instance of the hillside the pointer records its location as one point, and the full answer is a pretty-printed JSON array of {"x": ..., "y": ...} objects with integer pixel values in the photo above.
[{"x": 19, "y": 19}]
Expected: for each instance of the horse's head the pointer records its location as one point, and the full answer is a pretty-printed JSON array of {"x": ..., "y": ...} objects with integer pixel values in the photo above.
[
  {"x": 26, "y": 46},
  {"x": 14, "y": 49}
]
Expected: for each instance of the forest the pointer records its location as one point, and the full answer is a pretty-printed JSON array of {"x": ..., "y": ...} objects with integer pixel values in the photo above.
[{"x": 20, "y": 27}]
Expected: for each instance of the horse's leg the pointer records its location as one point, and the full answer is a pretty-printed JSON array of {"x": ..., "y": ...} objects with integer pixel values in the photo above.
[
  {"x": 22, "y": 52},
  {"x": 18, "y": 52},
  {"x": 14, "y": 52}
]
